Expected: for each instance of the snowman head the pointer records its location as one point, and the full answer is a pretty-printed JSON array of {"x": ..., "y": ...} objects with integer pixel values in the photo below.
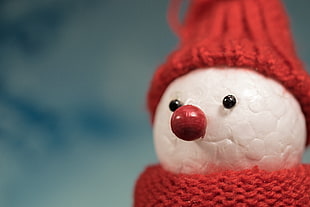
[
  {"x": 228, "y": 118},
  {"x": 234, "y": 93}
]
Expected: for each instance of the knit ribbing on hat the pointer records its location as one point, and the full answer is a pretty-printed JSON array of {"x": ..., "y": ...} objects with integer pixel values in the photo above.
[
  {"x": 252, "y": 187},
  {"x": 252, "y": 34}
]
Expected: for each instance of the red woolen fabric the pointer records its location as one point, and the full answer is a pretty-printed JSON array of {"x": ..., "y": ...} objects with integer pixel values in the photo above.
[
  {"x": 238, "y": 33},
  {"x": 252, "y": 187}
]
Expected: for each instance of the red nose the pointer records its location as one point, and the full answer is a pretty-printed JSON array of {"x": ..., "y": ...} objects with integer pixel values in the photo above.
[{"x": 188, "y": 123}]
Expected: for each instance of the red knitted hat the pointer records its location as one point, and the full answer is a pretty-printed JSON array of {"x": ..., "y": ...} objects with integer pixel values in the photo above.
[{"x": 251, "y": 34}]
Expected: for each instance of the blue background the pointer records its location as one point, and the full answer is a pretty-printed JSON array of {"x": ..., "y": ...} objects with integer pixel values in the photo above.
[{"x": 74, "y": 130}]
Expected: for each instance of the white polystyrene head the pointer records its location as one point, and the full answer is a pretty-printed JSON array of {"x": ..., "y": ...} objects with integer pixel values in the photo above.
[{"x": 266, "y": 127}]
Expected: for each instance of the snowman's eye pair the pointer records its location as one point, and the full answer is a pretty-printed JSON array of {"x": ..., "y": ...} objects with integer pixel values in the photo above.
[{"x": 229, "y": 101}]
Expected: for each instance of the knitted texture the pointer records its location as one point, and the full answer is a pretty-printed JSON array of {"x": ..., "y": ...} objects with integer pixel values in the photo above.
[
  {"x": 252, "y": 187},
  {"x": 251, "y": 34}
]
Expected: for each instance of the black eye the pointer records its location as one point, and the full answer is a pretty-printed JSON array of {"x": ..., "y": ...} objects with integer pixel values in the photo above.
[
  {"x": 229, "y": 101},
  {"x": 174, "y": 105}
]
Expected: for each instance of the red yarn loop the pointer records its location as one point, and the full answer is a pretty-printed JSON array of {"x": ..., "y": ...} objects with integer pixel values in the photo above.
[{"x": 173, "y": 16}]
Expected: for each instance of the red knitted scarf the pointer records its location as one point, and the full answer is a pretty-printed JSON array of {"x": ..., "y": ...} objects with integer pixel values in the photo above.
[{"x": 252, "y": 187}]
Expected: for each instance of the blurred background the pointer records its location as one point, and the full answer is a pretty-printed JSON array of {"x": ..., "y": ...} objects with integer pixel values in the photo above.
[{"x": 74, "y": 130}]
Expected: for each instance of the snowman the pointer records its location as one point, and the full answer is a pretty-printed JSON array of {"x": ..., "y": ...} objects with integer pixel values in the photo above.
[
  {"x": 216, "y": 119},
  {"x": 230, "y": 110}
]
